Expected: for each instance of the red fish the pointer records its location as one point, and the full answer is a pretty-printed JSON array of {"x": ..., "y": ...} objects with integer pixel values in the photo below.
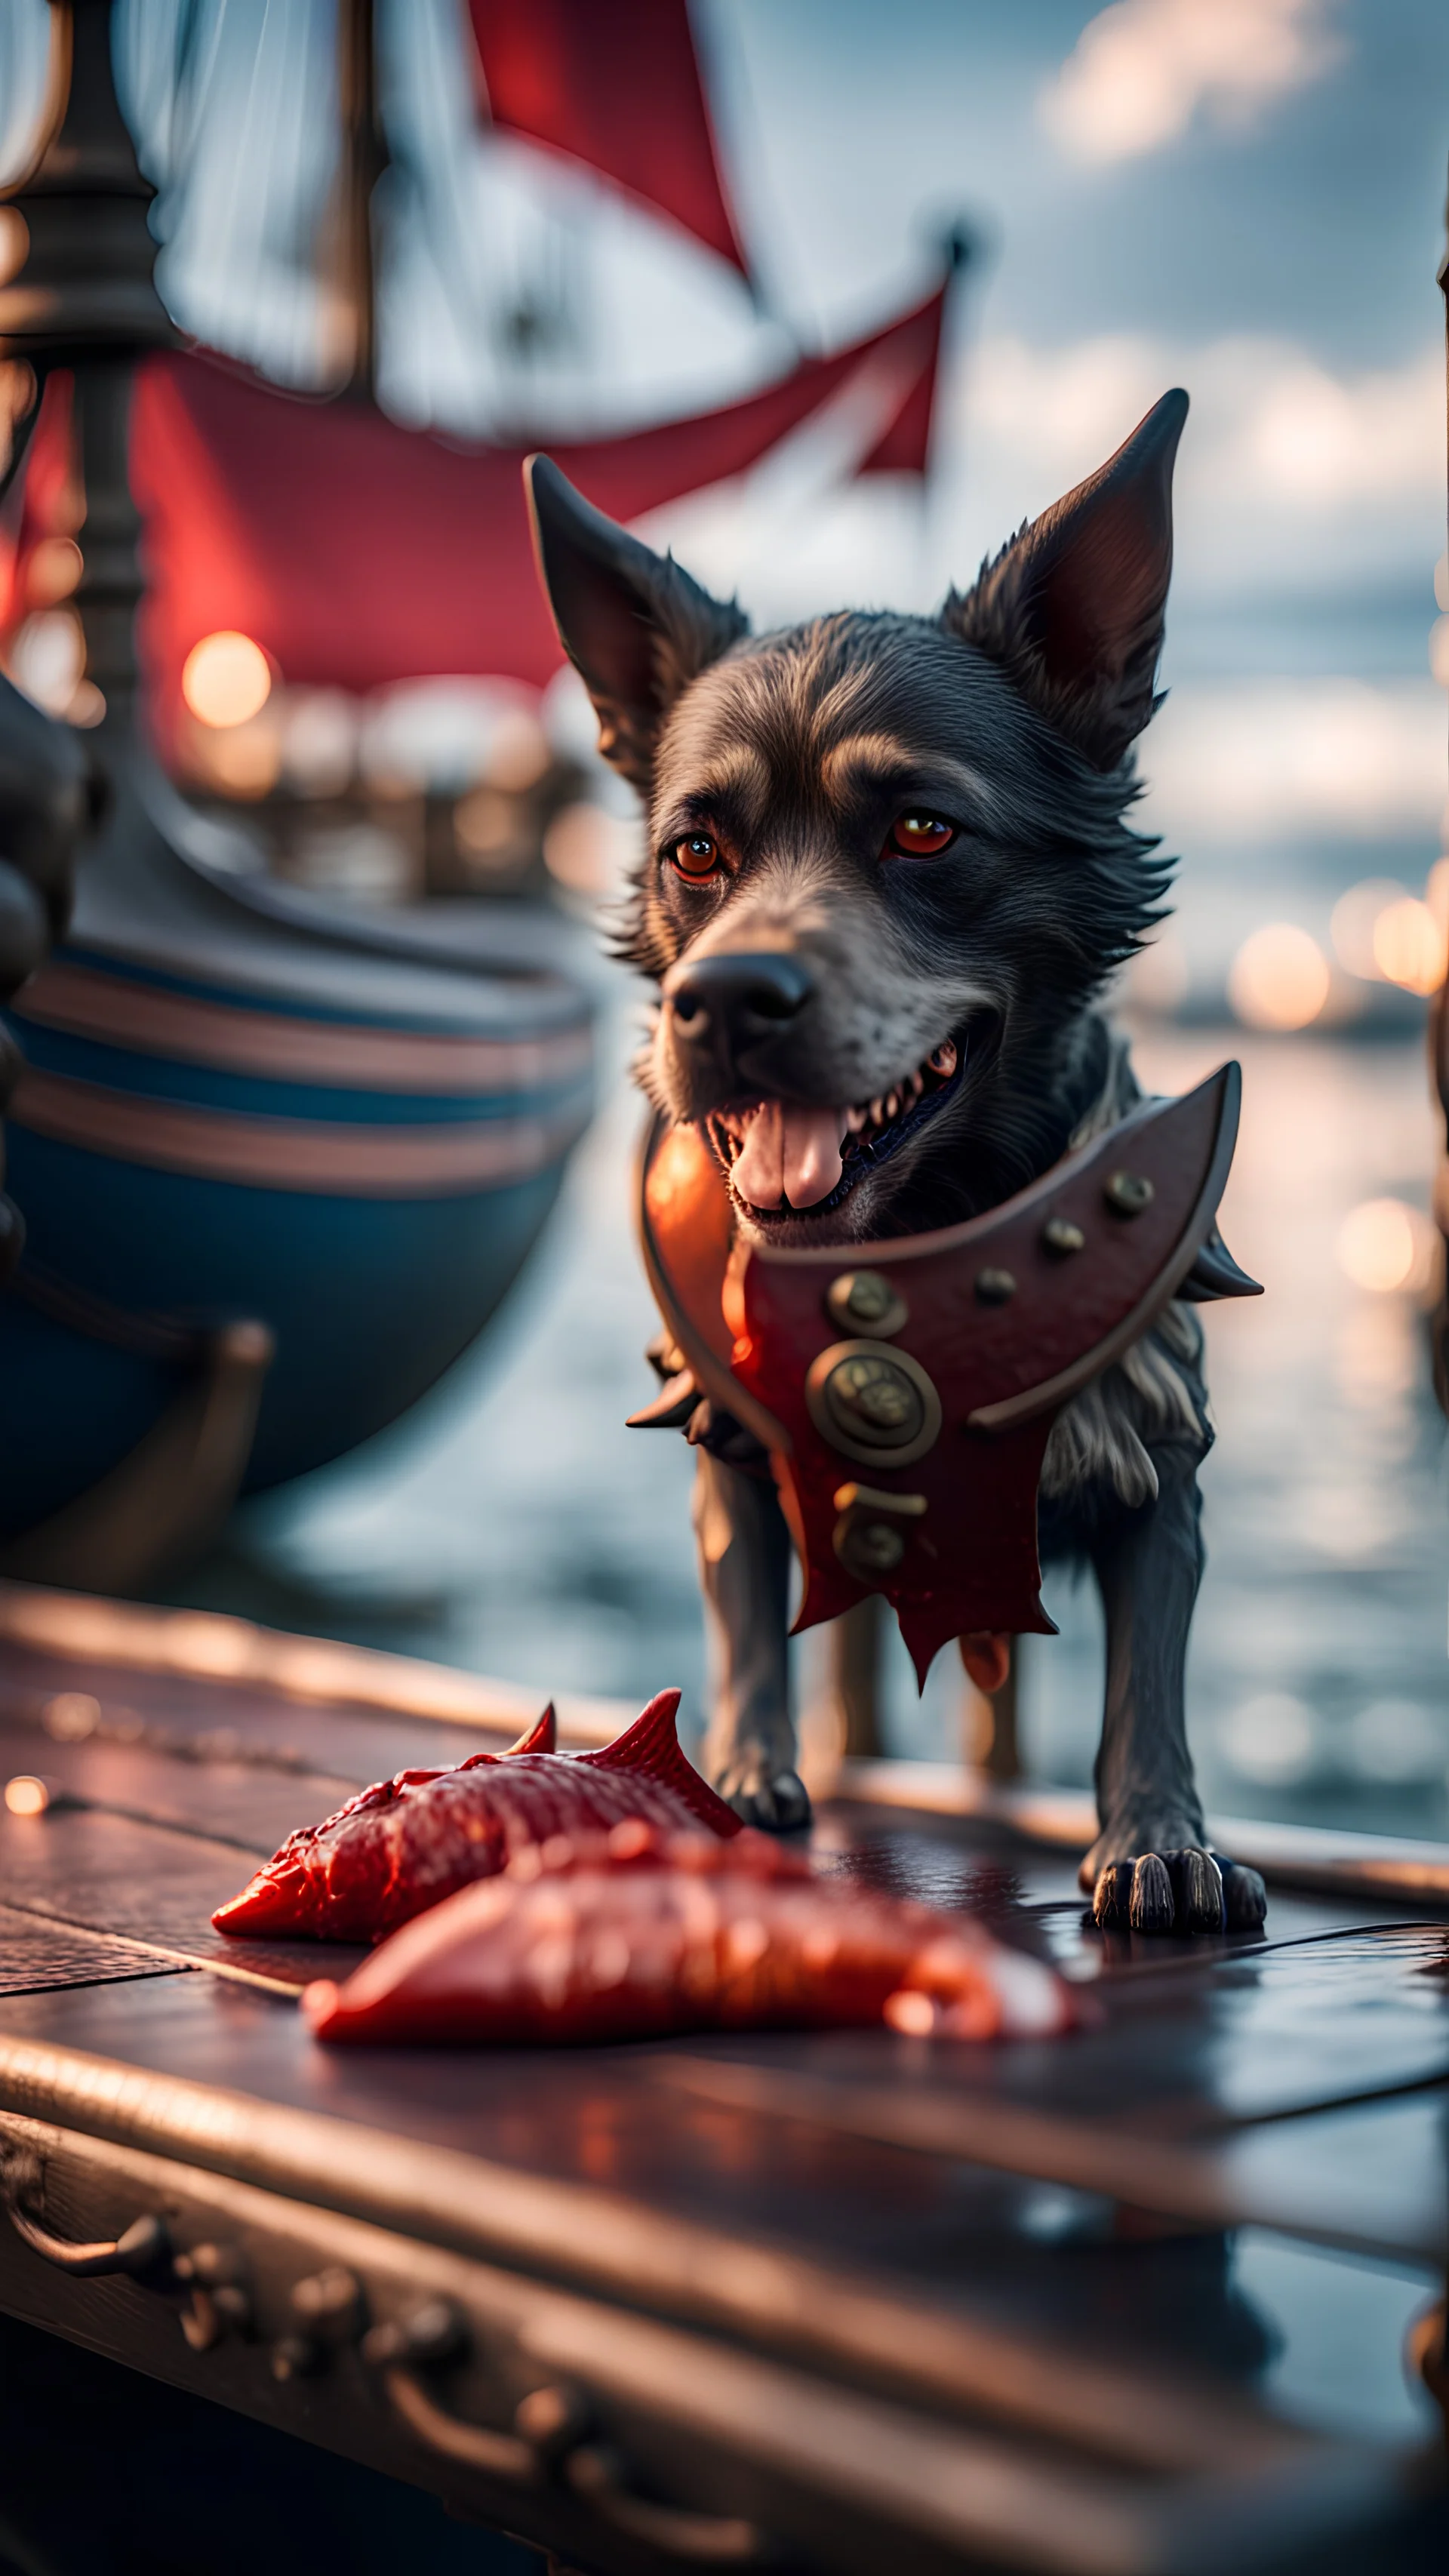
[
  {"x": 406, "y": 1843},
  {"x": 637, "y": 1934}
]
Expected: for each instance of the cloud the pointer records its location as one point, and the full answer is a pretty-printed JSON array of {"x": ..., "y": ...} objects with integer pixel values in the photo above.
[
  {"x": 1291, "y": 475},
  {"x": 1249, "y": 764},
  {"x": 1141, "y": 72},
  {"x": 1296, "y": 484}
]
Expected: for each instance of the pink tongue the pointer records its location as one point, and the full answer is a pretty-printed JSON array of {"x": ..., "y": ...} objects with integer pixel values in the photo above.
[{"x": 788, "y": 1153}]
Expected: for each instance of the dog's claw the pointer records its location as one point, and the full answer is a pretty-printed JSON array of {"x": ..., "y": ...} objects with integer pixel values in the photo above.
[
  {"x": 1245, "y": 1898},
  {"x": 1197, "y": 1890},
  {"x": 774, "y": 1802},
  {"x": 1150, "y": 1906},
  {"x": 1112, "y": 1896}
]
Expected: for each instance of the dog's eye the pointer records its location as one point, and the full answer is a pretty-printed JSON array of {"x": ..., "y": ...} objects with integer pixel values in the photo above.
[
  {"x": 919, "y": 836},
  {"x": 695, "y": 856}
]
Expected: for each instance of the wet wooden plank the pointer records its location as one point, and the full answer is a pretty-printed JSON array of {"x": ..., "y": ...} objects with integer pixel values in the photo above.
[
  {"x": 37, "y": 1956},
  {"x": 145, "y": 1883},
  {"x": 250, "y": 1809},
  {"x": 207, "y": 1723}
]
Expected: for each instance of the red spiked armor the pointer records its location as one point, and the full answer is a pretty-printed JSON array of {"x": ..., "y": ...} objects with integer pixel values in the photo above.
[{"x": 905, "y": 1389}]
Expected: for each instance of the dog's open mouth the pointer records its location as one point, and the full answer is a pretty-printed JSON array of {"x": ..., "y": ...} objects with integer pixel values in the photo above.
[{"x": 784, "y": 1160}]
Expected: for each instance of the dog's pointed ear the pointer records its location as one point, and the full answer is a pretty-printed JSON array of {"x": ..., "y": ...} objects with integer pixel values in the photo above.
[
  {"x": 635, "y": 626},
  {"x": 1072, "y": 608}
]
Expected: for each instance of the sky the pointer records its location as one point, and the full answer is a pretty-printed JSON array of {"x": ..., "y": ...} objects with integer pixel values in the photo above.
[{"x": 1242, "y": 196}]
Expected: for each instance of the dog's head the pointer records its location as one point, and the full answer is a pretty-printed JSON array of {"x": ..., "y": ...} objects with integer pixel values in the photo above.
[{"x": 888, "y": 866}]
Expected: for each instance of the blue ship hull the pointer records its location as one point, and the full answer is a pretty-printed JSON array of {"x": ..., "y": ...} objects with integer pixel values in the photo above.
[{"x": 236, "y": 1108}]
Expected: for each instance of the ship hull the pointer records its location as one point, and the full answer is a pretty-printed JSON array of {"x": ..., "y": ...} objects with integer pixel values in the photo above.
[{"x": 234, "y": 1112}]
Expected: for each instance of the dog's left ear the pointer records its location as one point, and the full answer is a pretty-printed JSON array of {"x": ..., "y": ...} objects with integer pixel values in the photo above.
[
  {"x": 635, "y": 626},
  {"x": 1072, "y": 608}
]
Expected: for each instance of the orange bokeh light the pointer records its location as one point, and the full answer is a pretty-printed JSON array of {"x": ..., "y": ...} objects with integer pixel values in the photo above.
[
  {"x": 1409, "y": 946},
  {"x": 1385, "y": 1246},
  {"x": 1279, "y": 978},
  {"x": 226, "y": 679}
]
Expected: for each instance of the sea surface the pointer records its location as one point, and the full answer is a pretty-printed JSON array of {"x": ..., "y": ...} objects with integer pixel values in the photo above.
[{"x": 515, "y": 1527}]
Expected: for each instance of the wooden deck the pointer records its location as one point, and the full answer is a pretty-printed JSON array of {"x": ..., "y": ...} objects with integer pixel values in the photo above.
[{"x": 1135, "y": 2300}]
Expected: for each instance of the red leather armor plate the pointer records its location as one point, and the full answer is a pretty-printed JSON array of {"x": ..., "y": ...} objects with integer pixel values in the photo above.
[{"x": 906, "y": 1389}]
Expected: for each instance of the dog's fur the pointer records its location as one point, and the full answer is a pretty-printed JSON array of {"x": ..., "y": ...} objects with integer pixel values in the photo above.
[{"x": 1012, "y": 714}]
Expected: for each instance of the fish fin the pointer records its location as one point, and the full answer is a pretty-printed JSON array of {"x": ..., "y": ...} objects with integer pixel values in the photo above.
[
  {"x": 652, "y": 1748},
  {"x": 541, "y": 1737}
]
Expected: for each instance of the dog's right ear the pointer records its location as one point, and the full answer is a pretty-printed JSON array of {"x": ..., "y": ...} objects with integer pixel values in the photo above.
[{"x": 634, "y": 625}]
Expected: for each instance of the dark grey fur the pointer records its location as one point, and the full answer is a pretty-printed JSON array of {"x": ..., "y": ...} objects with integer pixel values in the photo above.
[{"x": 815, "y": 968}]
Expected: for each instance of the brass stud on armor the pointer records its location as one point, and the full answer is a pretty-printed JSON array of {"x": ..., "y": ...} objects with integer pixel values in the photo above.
[
  {"x": 1060, "y": 1237},
  {"x": 874, "y": 1400},
  {"x": 872, "y": 1404},
  {"x": 995, "y": 1287},
  {"x": 864, "y": 1301},
  {"x": 1128, "y": 1193},
  {"x": 867, "y": 1548}
]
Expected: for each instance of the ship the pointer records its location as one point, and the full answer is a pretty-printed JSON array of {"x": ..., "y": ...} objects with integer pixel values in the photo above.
[{"x": 280, "y": 1155}]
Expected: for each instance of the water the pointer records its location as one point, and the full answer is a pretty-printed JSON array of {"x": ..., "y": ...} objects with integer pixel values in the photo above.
[{"x": 515, "y": 1527}]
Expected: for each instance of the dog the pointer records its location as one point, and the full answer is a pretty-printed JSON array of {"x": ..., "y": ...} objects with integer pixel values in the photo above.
[{"x": 889, "y": 871}]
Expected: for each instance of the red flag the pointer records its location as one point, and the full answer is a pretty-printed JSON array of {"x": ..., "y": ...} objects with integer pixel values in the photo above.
[
  {"x": 617, "y": 86},
  {"x": 358, "y": 553}
]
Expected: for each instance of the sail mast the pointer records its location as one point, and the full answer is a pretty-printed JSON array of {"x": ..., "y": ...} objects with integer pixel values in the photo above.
[
  {"x": 85, "y": 298},
  {"x": 363, "y": 160}
]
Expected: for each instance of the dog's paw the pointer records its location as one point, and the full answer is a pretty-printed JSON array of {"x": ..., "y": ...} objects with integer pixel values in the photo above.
[
  {"x": 775, "y": 1802},
  {"x": 1188, "y": 1890}
]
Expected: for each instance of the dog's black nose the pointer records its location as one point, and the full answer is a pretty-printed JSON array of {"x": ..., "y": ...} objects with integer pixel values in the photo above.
[{"x": 729, "y": 1007}]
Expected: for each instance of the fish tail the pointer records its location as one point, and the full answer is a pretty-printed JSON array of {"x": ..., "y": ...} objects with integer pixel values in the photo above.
[{"x": 651, "y": 1749}]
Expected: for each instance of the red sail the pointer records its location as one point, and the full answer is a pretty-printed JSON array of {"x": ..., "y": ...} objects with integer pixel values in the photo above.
[
  {"x": 358, "y": 553},
  {"x": 616, "y": 87}
]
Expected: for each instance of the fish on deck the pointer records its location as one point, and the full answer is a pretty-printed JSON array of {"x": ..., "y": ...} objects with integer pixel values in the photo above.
[
  {"x": 404, "y": 1844},
  {"x": 637, "y": 1934}
]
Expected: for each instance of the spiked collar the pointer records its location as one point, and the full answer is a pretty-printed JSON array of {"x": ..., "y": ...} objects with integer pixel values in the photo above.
[{"x": 905, "y": 1390}]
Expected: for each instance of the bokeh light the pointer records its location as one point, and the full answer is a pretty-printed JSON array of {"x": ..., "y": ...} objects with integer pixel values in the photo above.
[
  {"x": 589, "y": 852},
  {"x": 242, "y": 760},
  {"x": 1387, "y": 1247},
  {"x": 226, "y": 679},
  {"x": 1353, "y": 922},
  {"x": 319, "y": 741},
  {"x": 1409, "y": 946},
  {"x": 53, "y": 572},
  {"x": 26, "y": 1796},
  {"x": 1279, "y": 978},
  {"x": 71, "y": 1716},
  {"x": 48, "y": 659}
]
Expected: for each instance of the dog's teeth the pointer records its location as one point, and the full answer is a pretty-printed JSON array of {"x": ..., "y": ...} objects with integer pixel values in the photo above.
[
  {"x": 877, "y": 1113},
  {"x": 855, "y": 1119},
  {"x": 944, "y": 1059},
  {"x": 892, "y": 1103},
  {"x": 914, "y": 1087}
]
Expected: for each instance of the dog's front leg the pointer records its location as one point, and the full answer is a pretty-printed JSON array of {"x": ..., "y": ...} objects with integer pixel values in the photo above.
[
  {"x": 744, "y": 1565},
  {"x": 1149, "y": 1867}
]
